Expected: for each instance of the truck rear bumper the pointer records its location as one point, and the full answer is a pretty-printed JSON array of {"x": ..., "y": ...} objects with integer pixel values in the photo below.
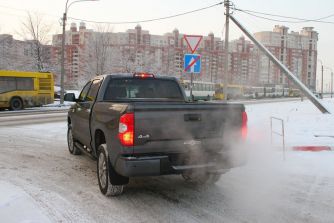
[
  {"x": 140, "y": 166},
  {"x": 161, "y": 165}
]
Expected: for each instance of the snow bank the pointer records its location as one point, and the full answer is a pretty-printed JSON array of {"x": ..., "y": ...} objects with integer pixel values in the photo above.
[
  {"x": 18, "y": 206},
  {"x": 304, "y": 124}
]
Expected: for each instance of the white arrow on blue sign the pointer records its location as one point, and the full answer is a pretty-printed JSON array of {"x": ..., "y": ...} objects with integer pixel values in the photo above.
[{"x": 192, "y": 63}]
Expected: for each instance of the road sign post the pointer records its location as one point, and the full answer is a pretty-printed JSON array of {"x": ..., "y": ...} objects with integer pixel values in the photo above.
[
  {"x": 192, "y": 62},
  {"x": 191, "y": 86}
]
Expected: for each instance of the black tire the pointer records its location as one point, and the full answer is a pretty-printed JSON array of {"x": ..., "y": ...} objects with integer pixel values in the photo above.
[
  {"x": 16, "y": 104},
  {"x": 104, "y": 173},
  {"x": 70, "y": 142},
  {"x": 199, "y": 177}
]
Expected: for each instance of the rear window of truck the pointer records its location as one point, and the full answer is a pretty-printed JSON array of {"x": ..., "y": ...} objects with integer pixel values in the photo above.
[{"x": 122, "y": 89}]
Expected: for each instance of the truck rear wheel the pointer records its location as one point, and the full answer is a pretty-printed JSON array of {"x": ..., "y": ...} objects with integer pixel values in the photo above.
[
  {"x": 16, "y": 104},
  {"x": 104, "y": 172},
  {"x": 70, "y": 142}
]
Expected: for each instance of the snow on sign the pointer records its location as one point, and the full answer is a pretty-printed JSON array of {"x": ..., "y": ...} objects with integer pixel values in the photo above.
[
  {"x": 193, "y": 41},
  {"x": 192, "y": 63}
]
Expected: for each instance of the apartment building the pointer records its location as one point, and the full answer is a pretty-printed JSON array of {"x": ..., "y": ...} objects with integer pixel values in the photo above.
[
  {"x": 142, "y": 51},
  {"x": 88, "y": 53},
  {"x": 23, "y": 55},
  {"x": 243, "y": 64},
  {"x": 77, "y": 55},
  {"x": 296, "y": 50}
]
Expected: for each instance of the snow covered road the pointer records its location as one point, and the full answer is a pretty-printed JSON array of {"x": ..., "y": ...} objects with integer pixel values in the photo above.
[{"x": 40, "y": 181}]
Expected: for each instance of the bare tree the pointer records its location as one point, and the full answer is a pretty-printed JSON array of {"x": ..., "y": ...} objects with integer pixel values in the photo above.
[
  {"x": 6, "y": 55},
  {"x": 128, "y": 61},
  {"x": 100, "y": 50},
  {"x": 35, "y": 30},
  {"x": 139, "y": 59},
  {"x": 150, "y": 63}
]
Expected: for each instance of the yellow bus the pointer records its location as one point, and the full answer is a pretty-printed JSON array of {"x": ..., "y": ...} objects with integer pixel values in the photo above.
[
  {"x": 234, "y": 91},
  {"x": 20, "y": 89}
]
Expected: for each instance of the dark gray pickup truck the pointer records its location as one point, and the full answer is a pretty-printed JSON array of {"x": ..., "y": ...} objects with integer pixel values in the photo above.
[{"x": 142, "y": 125}]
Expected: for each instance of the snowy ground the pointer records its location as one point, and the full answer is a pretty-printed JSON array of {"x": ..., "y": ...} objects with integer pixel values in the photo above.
[
  {"x": 303, "y": 123},
  {"x": 41, "y": 182}
]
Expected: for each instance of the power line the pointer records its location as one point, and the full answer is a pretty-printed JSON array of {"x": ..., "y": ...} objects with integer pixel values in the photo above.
[
  {"x": 148, "y": 20},
  {"x": 300, "y": 20},
  {"x": 288, "y": 17}
]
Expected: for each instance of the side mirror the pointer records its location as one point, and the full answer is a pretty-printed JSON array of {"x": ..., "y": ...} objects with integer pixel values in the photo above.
[{"x": 69, "y": 97}]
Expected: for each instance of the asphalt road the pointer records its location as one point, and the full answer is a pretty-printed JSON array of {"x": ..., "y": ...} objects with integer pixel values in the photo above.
[{"x": 17, "y": 119}]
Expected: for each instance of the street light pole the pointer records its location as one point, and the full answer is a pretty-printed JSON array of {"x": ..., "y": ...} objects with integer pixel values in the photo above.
[
  {"x": 62, "y": 62},
  {"x": 322, "y": 79},
  {"x": 332, "y": 84}
]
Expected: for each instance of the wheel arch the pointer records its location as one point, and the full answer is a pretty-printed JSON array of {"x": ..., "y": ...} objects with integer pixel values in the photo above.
[{"x": 99, "y": 138}]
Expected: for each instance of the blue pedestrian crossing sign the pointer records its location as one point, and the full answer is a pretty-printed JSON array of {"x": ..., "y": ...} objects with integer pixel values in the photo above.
[{"x": 192, "y": 63}]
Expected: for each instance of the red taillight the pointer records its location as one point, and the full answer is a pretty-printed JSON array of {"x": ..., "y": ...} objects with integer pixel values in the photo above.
[
  {"x": 143, "y": 75},
  {"x": 244, "y": 125},
  {"x": 126, "y": 129}
]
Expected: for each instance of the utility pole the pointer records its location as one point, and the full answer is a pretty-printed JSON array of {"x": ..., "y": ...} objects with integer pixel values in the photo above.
[
  {"x": 62, "y": 62},
  {"x": 227, "y": 23}
]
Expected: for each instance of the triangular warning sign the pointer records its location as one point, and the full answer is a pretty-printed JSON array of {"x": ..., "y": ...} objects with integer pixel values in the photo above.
[{"x": 193, "y": 41}]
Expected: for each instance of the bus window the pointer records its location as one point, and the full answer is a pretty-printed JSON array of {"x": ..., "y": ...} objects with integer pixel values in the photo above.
[
  {"x": 7, "y": 84},
  {"x": 198, "y": 87},
  {"x": 25, "y": 84}
]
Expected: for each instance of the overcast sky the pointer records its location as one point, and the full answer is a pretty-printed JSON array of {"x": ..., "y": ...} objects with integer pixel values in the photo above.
[{"x": 13, "y": 12}]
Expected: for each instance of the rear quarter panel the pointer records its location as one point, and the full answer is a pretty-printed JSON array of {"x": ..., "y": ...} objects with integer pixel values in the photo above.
[{"x": 105, "y": 117}]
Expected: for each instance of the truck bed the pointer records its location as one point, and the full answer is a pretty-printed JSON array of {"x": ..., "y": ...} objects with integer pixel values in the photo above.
[{"x": 170, "y": 127}]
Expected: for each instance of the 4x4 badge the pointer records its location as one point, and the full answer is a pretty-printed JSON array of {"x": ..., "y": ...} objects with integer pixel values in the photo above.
[{"x": 147, "y": 136}]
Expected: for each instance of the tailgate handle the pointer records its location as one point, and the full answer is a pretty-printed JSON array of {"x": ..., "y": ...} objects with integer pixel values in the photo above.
[{"x": 192, "y": 117}]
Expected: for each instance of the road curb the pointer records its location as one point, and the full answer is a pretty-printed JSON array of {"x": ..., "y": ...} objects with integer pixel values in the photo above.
[{"x": 312, "y": 148}]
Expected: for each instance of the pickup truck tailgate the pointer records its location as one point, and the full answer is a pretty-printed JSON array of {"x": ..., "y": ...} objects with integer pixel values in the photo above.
[{"x": 171, "y": 126}]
